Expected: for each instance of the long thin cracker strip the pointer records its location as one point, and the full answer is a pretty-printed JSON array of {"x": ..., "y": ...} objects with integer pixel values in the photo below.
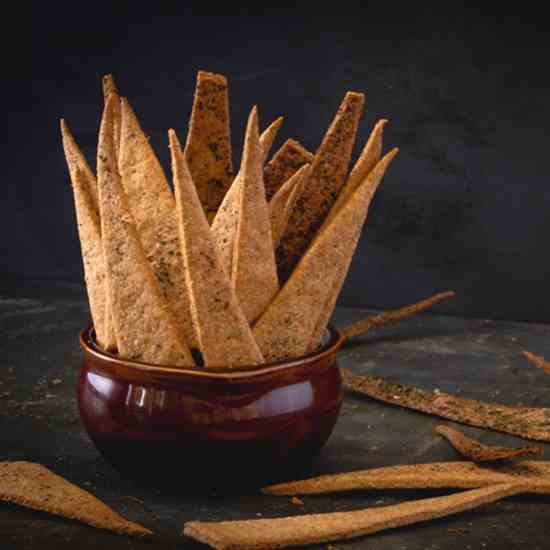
[
  {"x": 224, "y": 334},
  {"x": 527, "y": 422},
  {"x": 328, "y": 173},
  {"x": 254, "y": 272},
  {"x": 259, "y": 534},
  {"x": 144, "y": 326},
  {"x": 89, "y": 232},
  {"x": 153, "y": 208},
  {"x": 224, "y": 226},
  {"x": 286, "y": 327},
  {"x": 34, "y": 486},
  {"x": 109, "y": 87},
  {"x": 285, "y": 162},
  {"x": 478, "y": 452},
  {"x": 537, "y": 361},
  {"x": 395, "y": 315},
  {"x": 282, "y": 204},
  {"x": 208, "y": 147},
  {"x": 436, "y": 475}
]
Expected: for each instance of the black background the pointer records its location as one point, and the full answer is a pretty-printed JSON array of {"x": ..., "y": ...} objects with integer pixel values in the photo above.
[{"x": 465, "y": 205}]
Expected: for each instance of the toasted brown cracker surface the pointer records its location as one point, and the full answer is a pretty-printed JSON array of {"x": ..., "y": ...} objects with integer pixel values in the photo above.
[
  {"x": 285, "y": 162},
  {"x": 478, "y": 452},
  {"x": 153, "y": 209},
  {"x": 208, "y": 147},
  {"x": 34, "y": 486},
  {"x": 144, "y": 326},
  {"x": 110, "y": 88},
  {"x": 283, "y": 202},
  {"x": 224, "y": 334},
  {"x": 286, "y": 328},
  {"x": 527, "y": 422},
  {"x": 328, "y": 173},
  {"x": 224, "y": 226},
  {"x": 299, "y": 530},
  {"x": 437, "y": 475},
  {"x": 254, "y": 272},
  {"x": 89, "y": 232},
  {"x": 537, "y": 361}
]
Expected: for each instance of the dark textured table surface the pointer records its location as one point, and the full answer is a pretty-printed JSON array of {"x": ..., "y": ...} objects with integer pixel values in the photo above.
[{"x": 39, "y": 422}]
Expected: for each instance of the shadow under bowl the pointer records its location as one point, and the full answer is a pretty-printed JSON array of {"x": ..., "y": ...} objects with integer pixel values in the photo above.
[{"x": 202, "y": 431}]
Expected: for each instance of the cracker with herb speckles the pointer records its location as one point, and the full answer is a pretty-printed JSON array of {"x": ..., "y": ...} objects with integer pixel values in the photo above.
[
  {"x": 224, "y": 334},
  {"x": 224, "y": 226},
  {"x": 527, "y": 422},
  {"x": 328, "y": 173},
  {"x": 144, "y": 325},
  {"x": 34, "y": 486},
  {"x": 283, "y": 202},
  {"x": 285, "y": 163},
  {"x": 286, "y": 328},
  {"x": 153, "y": 208},
  {"x": 535, "y": 475},
  {"x": 109, "y": 87},
  {"x": 259, "y": 534},
  {"x": 208, "y": 147},
  {"x": 254, "y": 272}
]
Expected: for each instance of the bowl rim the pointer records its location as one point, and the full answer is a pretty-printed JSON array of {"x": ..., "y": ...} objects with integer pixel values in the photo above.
[{"x": 244, "y": 373}]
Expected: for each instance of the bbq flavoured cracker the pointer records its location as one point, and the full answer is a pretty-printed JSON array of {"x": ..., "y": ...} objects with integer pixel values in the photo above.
[{"x": 537, "y": 361}]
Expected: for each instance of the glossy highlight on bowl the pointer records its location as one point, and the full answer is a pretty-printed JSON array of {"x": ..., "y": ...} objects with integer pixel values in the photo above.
[{"x": 202, "y": 430}]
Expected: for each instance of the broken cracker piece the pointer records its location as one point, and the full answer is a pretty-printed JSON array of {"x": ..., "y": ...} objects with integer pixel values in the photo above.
[
  {"x": 144, "y": 326},
  {"x": 259, "y": 534},
  {"x": 286, "y": 328},
  {"x": 285, "y": 163},
  {"x": 224, "y": 226},
  {"x": 328, "y": 173},
  {"x": 34, "y": 486},
  {"x": 527, "y": 422},
  {"x": 208, "y": 147},
  {"x": 153, "y": 208},
  {"x": 478, "y": 452},
  {"x": 109, "y": 87},
  {"x": 224, "y": 334},
  {"x": 535, "y": 475},
  {"x": 537, "y": 361},
  {"x": 254, "y": 272}
]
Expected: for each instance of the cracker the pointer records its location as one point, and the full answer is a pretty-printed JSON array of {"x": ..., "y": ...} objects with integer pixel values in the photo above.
[
  {"x": 224, "y": 334},
  {"x": 283, "y": 202},
  {"x": 285, "y": 163},
  {"x": 253, "y": 272},
  {"x": 89, "y": 232},
  {"x": 328, "y": 173},
  {"x": 478, "y": 452},
  {"x": 109, "y": 87},
  {"x": 144, "y": 326},
  {"x": 527, "y": 422},
  {"x": 286, "y": 327},
  {"x": 257, "y": 534},
  {"x": 436, "y": 475},
  {"x": 34, "y": 486},
  {"x": 537, "y": 361},
  {"x": 224, "y": 226},
  {"x": 208, "y": 147},
  {"x": 153, "y": 208}
]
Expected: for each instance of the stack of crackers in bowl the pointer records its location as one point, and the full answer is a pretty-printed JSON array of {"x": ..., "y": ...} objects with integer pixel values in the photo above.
[{"x": 225, "y": 268}]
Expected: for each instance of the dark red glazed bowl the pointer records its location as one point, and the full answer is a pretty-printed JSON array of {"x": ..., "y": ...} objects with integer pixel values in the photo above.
[{"x": 194, "y": 429}]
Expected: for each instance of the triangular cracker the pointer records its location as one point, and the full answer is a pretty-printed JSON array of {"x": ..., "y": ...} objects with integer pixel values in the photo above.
[
  {"x": 224, "y": 226},
  {"x": 254, "y": 272},
  {"x": 144, "y": 326},
  {"x": 109, "y": 87},
  {"x": 153, "y": 208},
  {"x": 208, "y": 147},
  {"x": 285, "y": 162},
  {"x": 34, "y": 486},
  {"x": 328, "y": 173},
  {"x": 285, "y": 329},
  {"x": 283, "y": 202},
  {"x": 224, "y": 334}
]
